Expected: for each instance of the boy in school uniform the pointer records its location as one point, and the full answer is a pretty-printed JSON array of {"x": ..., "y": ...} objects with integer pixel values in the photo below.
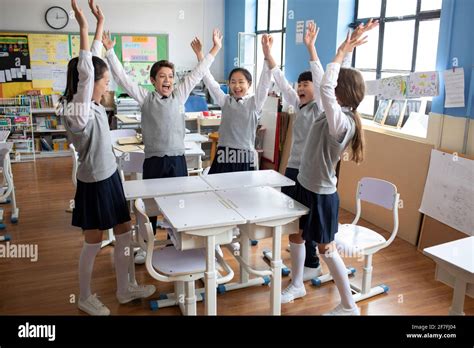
[{"x": 162, "y": 122}]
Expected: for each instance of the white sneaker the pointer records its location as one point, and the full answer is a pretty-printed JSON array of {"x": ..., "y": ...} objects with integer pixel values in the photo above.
[
  {"x": 93, "y": 306},
  {"x": 311, "y": 273},
  {"x": 140, "y": 257},
  {"x": 291, "y": 293},
  {"x": 136, "y": 292},
  {"x": 339, "y": 310}
]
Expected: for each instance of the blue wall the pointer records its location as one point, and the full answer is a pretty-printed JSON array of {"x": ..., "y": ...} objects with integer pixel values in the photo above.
[
  {"x": 332, "y": 16},
  {"x": 456, "y": 40},
  {"x": 240, "y": 16}
]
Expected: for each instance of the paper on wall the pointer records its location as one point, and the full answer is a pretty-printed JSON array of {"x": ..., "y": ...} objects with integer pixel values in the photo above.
[
  {"x": 299, "y": 31},
  {"x": 454, "y": 85},
  {"x": 423, "y": 84}
]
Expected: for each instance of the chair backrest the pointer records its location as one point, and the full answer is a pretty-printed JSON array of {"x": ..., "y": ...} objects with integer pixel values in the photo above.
[
  {"x": 143, "y": 222},
  {"x": 381, "y": 193},
  {"x": 4, "y": 153},
  {"x": 195, "y": 103},
  {"x": 121, "y": 133},
  {"x": 377, "y": 191},
  {"x": 132, "y": 162}
]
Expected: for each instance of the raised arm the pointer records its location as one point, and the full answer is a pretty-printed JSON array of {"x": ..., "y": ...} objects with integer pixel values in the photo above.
[
  {"x": 357, "y": 34},
  {"x": 288, "y": 92},
  {"x": 317, "y": 70},
  {"x": 214, "y": 88},
  {"x": 85, "y": 86},
  {"x": 120, "y": 76},
  {"x": 266, "y": 77},
  {"x": 97, "y": 43},
  {"x": 337, "y": 121}
]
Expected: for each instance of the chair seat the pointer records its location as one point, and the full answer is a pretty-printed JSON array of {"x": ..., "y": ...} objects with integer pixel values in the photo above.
[
  {"x": 170, "y": 261},
  {"x": 358, "y": 238}
]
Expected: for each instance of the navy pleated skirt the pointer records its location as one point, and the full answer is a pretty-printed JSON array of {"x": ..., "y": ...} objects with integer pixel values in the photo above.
[
  {"x": 290, "y": 173},
  {"x": 100, "y": 205},
  {"x": 321, "y": 223},
  {"x": 164, "y": 167},
  {"x": 230, "y": 160}
]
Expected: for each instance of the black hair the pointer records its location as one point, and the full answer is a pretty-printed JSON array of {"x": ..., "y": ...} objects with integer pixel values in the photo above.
[
  {"x": 158, "y": 65},
  {"x": 305, "y": 76},
  {"x": 245, "y": 72},
  {"x": 73, "y": 76}
]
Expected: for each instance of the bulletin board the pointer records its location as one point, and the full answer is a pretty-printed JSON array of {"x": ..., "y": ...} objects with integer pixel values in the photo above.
[{"x": 44, "y": 58}]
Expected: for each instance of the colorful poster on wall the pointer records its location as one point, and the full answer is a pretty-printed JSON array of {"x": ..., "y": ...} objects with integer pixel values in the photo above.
[
  {"x": 392, "y": 88},
  {"x": 139, "y": 49},
  {"x": 49, "y": 58},
  {"x": 14, "y": 59},
  {"x": 49, "y": 47},
  {"x": 139, "y": 72},
  {"x": 423, "y": 84}
]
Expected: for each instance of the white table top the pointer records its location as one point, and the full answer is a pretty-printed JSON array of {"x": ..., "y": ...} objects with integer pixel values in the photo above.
[
  {"x": 195, "y": 137},
  {"x": 197, "y": 211},
  {"x": 259, "y": 204},
  {"x": 166, "y": 186},
  {"x": 239, "y": 180},
  {"x": 458, "y": 253}
]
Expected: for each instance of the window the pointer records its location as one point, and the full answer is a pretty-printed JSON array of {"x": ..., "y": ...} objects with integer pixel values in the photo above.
[
  {"x": 406, "y": 40},
  {"x": 271, "y": 19}
]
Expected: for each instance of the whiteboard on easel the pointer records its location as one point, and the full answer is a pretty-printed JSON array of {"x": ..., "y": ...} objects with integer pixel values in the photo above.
[
  {"x": 449, "y": 191},
  {"x": 269, "y": 121}
]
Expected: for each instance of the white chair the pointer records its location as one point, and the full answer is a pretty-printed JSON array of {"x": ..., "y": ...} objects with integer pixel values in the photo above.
[
  {"x": 7, "y": 187},
  {"x": 167, "y": 264},
  {"x": 122, "y": 133},
  {"x": 131, "y": 163},
  {"x": 357, "y": 240}
]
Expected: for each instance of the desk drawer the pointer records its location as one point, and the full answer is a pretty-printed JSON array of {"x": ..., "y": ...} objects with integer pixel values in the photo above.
[
  {"x": 183, "y": 241},
  {"x": 257, "y": 232}
]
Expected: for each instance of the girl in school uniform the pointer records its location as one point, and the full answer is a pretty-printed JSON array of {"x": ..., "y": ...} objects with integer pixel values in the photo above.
[
  {"x": 240, "y": 114},
  {"x": 306, "y": 100},
  {"x": 332, "y": 131},
  {"x": 99, "y": 203},
  {"x": 162, "y": 112}
]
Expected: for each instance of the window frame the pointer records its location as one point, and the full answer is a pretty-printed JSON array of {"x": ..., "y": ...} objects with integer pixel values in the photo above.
[
  {"x": 419, "y": 16},
  {"x": 281, "y": 31}
]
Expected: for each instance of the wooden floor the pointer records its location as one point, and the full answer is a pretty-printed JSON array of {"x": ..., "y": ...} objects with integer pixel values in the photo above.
[{"x": 50, "y": 286}]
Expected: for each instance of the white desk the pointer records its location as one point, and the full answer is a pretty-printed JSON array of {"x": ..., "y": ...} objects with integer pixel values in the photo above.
[
  {"x": 239, "y": 180},
  {"x": 456, "y": 258},
  {"x": 164, "y": 187},
  {"x": 200, "y": 217},
  {"x": 269, "y": 213}
]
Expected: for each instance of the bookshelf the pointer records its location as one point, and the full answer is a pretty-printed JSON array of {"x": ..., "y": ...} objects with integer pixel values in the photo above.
[{"x": 16, "y": 118}]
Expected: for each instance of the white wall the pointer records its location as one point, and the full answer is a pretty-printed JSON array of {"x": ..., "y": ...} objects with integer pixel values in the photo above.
[{"x": 181, "y": 19}]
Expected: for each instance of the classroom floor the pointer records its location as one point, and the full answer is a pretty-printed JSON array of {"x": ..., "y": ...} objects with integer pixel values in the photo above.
[{"x": 50, "y": 286}]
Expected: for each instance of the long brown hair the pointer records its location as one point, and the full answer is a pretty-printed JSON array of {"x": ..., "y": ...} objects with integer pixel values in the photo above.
[
  {"x": 350, "y": 92},
  {"x": 73, "y": 76}
]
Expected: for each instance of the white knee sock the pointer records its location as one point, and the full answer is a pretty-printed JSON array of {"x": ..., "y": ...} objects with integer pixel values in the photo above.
[
  {"x": 298, "y": 254},
  {"x": 122, "y": 254},
  {"x": 339, "y": 274},
  {"x": 86, "y": 265}
]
